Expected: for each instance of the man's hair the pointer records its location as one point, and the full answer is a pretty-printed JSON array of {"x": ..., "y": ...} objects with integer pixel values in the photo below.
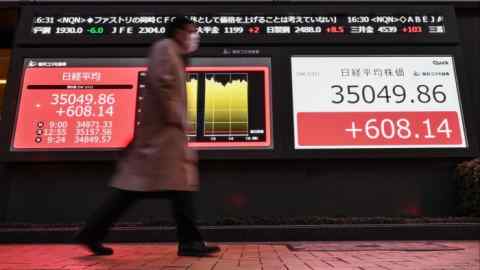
[{"x": 178, "y": 24}]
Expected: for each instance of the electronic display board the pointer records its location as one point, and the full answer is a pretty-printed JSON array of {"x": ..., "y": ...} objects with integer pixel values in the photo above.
[
  {"x": 93, "y": 103},
  {"x": 241, "y": 25},
  {"x": 255, "y": 61},
  {"x": 376, "y": 102},
  {"x": 285, "y": 24}
]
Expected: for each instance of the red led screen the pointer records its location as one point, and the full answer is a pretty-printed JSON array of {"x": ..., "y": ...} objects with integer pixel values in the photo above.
[
  {"x": 93, "y": 103},
  {"x": 77, "y": 107}
]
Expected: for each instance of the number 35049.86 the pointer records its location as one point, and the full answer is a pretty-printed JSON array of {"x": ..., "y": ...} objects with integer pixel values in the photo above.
[
  {"x": 83, "y": 99},
  {"x": 388, "y": 94}
]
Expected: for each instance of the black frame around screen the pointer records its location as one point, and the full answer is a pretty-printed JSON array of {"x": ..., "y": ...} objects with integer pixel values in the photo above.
[
  {"x": 13, "y": 94},
  {"x": 279, "y": 51},
  {"x": 468, "y": 105},
  {"x": 282, "y": 109}
]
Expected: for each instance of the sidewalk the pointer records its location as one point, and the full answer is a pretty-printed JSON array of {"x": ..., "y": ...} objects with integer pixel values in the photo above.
[{"x": 237, "y": 256}]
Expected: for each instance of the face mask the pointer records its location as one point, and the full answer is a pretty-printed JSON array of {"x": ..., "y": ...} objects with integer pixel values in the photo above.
[{"x": 193, "y": 42}]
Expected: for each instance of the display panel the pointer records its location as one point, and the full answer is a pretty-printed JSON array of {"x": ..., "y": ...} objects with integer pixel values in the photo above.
[
  {"x": 104, "y": 25},
  {"x": 376, "y": 102},
  {"x": 76, "y": 104},
  {"x": 234, "y": 107},
  {"x": 240, "y": 24},
  {"x": 92, "y": 103}
]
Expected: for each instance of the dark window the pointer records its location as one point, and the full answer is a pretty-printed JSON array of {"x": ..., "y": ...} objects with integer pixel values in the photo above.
[{"x": 4, "y": 63}]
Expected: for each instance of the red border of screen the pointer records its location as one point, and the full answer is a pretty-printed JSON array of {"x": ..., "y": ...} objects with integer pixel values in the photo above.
[
  {"x": 218, "y": 145},
  {"x": 268, "y": 119}
]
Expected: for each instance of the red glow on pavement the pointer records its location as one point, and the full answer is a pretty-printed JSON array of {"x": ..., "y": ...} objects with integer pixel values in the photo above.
[{"x": 236, "y": 257}]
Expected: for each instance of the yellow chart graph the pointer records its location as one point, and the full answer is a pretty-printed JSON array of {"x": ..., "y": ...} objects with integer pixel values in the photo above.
[
  {"x": 226, "y": 104},
  {"x": 192, "y": 94}
]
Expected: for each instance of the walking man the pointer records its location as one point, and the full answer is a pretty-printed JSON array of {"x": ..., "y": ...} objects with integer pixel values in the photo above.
[{"x": 158, "y": 163}]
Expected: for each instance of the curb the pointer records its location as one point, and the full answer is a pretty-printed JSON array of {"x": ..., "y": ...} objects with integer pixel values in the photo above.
[{"x": 263, "y": 233}]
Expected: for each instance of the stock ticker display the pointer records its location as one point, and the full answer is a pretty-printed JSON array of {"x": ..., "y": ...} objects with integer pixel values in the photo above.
[
  {"x": 377, "y": 102},
  {"x": 244, "y": 25},
  {"x": 401, "y": 92},
  {"x": 94, "y": 103},
  {"x": 239, "y": 24}
]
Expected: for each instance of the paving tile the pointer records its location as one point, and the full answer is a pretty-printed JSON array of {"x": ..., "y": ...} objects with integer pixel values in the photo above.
[{"x": 234, "y": 256}]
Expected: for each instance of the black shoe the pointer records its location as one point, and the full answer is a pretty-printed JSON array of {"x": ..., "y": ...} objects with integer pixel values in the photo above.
[
  {"x": 98, "y": 249},
  {"x": 196, "y": 249},
  {"x": 94, "y": 247}
]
